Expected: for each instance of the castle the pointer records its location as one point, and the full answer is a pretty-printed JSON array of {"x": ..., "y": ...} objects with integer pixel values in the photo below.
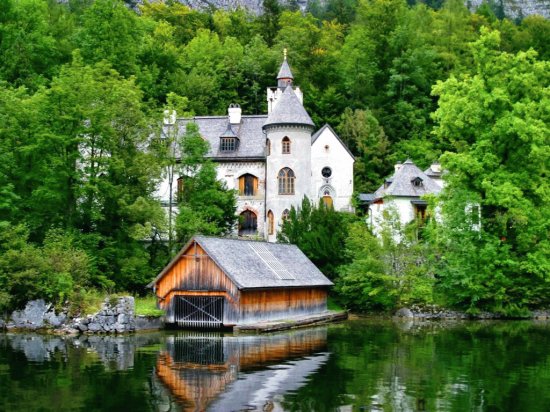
[{"x": 274, "y": 160}]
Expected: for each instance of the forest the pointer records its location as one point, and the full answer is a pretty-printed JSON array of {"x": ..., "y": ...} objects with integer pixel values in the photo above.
[{"x": 83, "y": 87}]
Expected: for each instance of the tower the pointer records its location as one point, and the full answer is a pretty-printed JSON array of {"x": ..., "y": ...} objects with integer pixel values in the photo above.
[{"x": 288, "y": 132}]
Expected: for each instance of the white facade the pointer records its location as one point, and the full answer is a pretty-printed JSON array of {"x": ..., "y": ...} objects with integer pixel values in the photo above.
[{"x": 332, "y": 169}]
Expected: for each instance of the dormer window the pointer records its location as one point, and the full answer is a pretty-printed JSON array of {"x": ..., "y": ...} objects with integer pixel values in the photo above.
[
  {"x": 416, "y": 182},
  {"x": 229, "y": 141},
  {"x": 228, "y": 144}
]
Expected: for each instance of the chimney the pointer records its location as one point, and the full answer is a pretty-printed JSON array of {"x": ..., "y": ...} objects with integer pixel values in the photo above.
[
  {"x": 169, "y": 117},
  {"x": 397, "y": 166},
  {"x": 436, "y": 167},
  {"x": 234, "y": 112}
]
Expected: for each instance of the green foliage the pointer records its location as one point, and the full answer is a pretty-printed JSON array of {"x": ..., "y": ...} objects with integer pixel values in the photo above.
[
  {"x": 147, "y": 306},
  {"x": 366, "y": 139},
  {"x": 386, "y": 270},
  {"x": 50, "y": 272},
  {"x": 497, "y": 121},
  {"x": 319, "y": 232}
]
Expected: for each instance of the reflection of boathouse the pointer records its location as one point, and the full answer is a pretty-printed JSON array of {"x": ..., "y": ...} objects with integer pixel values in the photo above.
[
  {"x": 208, "y": 371},
  {"x": 217, "y": 282}
]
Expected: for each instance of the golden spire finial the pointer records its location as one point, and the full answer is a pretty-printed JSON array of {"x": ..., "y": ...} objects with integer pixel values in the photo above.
[{"x": 284, "y": 53}]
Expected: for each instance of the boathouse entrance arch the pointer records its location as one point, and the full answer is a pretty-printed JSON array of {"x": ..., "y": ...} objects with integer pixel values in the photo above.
[{"x": 193, "y": 311}]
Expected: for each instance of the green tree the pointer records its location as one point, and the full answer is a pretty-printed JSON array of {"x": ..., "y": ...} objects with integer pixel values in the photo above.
[
  {"x": 388, "y": 269},
  {"x": 319, "y": 232},
  {"x": 34, "y": 41},
  {"x": 52, "y": 272},
  {"x": 205, "y": 205},
  {"x": 79, "y": 160},
  {"x": 111, "y": 31},
  {"x": 270, "y": 20},
  {"x": 366, "y": 139},
  {"x": 498, "y": 122}
]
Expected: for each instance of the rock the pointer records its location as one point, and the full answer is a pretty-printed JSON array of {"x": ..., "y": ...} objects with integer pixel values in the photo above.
[
  {"x": 122, "y": 318},
  {"x": 32, "y": 317},
  {"x": 54, "y": 320},
  {"x": 82, "y": 327},
  {"x": 120, "y": 328},
  {"x": 404, "y": 313},
  {"x": 94, "y": 327}
]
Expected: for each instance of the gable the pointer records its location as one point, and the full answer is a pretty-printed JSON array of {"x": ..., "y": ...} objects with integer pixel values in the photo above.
[{"x": 327, "y": 136}]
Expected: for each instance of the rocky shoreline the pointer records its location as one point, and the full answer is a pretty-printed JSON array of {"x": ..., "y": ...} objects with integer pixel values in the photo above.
[
  {"x": 434, "y": 312},
  {"x": 117, "y": 315}
]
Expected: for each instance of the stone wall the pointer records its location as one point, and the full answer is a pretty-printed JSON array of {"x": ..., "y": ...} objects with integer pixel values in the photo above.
[{"x": 117, "y": 315}]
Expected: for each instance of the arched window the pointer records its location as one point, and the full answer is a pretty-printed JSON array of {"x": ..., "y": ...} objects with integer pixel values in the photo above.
[
  {"x": 270, "y": 223},
  {"x": 248, "y": 185},
  {"x": 286, "y": 181},
  {"x": 267, "y": 147},
  {"x": 286, "y": 145},
  {"x": 285, "y": 215},
  {"x": 248, "y": 223}
]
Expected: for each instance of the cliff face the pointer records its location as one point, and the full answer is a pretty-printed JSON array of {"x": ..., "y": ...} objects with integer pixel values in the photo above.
[
  {"x": 518, "y": 8},
  {"x": 512, "y": 8}
]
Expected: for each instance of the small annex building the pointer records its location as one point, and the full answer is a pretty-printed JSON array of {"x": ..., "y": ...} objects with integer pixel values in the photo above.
[
  {"x": 403, "y": 192},
  {"x": 220, "y": 282}
]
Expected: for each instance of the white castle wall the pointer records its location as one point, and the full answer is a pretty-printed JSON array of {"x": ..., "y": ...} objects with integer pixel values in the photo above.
[{"x": 327, "y": 151}]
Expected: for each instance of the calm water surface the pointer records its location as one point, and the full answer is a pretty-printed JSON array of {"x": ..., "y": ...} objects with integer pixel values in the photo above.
[{"x": 362, "y": 365}]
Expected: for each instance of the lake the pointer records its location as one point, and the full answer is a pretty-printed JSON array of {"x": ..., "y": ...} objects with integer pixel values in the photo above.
[{"x": 357, "y": 365}]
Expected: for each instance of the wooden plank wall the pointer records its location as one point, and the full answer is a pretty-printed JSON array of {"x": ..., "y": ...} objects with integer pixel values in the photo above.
[
  {"x": 257, "y": 305},
  {"x": 196, "y": 273}
]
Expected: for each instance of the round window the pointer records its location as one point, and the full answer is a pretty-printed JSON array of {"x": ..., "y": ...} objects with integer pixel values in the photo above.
[{"x": 326, "y": 172}]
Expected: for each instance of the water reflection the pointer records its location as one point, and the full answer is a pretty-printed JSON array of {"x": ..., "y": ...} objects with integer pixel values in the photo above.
[
  {"x": 362, "y": 365},
  {"x": 227, "y": 373}
]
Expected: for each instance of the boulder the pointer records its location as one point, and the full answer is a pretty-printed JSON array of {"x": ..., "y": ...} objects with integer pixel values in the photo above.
[
  {"x": 32, "y": 317},
  {"x": 94, "y": 327},
  {"x": 404, "y": 313}
]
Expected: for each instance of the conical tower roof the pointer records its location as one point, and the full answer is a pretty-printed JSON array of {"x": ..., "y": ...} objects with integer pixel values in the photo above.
[
  {"x": 288, "y": 110},
  {"x": 284, "y": 71}
]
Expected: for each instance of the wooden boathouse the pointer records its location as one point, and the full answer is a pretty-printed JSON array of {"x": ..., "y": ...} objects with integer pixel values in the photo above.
[{"x": 219, "y": 282}]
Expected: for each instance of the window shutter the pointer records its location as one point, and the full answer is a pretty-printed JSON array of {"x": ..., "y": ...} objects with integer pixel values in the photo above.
[{"x": 241, "y": 185}]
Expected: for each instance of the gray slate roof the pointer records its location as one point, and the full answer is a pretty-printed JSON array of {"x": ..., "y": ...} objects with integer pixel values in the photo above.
[
  {"x": 432, "y": 173},
  {"x": 284, "y": 71},
  {"x": 249, "y": 132},
  {"x": 289, "y": 110},
  {"x": 366, "y": 197},
  {"x": 229, "y": 132},
  {"x": 401, "y": 183},
  {"x": 244, "y": 266}
]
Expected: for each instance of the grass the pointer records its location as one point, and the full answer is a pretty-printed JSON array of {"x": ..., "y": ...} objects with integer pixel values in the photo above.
[
  {"x": 88, "y": 302},
  {"x": 147, "y": 306},
  {"x": 332, "y": 305}
]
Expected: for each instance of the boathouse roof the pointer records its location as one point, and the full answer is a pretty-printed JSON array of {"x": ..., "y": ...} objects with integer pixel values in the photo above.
[{"x": 253, "y": 264}]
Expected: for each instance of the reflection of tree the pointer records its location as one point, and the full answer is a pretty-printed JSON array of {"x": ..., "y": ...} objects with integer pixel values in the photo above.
[{"x": 435, "y": 366}]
